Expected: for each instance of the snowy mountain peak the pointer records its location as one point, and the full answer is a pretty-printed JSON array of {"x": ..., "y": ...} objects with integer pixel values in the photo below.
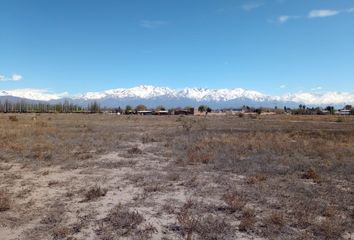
[
  {"x": 34, "y": 94},
  {"x": 142, "y": 91},
  {"x": 164, "y": 95},
  {"x": 198, "y": 94}
]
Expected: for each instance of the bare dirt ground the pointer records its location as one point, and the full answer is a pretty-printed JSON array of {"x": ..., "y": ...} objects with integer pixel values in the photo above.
[{"x": 74, "y": 176}]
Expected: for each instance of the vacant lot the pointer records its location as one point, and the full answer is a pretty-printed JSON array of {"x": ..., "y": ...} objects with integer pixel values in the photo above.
[{"x": 67, "y": 176}]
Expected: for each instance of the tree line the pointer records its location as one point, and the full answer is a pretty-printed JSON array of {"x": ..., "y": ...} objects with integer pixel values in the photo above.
[
  {"x": 40, "y": 107},
  {"x": 23, "y": 106}
]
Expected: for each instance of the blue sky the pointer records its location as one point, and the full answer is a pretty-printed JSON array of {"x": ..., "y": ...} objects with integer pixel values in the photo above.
[{"x": 272, "y": 46}]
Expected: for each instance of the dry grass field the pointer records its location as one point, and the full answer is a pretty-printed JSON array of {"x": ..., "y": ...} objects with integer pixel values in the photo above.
[{"x": 75, "y": 176}]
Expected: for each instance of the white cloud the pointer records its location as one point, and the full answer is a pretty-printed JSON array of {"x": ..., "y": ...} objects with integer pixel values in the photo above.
[
  {"x": 16, "y": 77},
  {"x": 13, "y": 77},
  {"x": 322, "y": 13},
  {"x": 321, "y": 98},
  {"x": 319, "y": 13},
  {"x": 316, "y": 88},
  {"x": 282, "y": 86},
  {"x": 251, "y": 6},
  {"x": 152, "y": 24},
  {"x": 285, "y": 18}
]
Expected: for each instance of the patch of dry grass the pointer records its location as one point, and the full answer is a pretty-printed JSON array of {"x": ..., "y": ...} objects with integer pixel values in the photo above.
[
  {"x": 95, "y": 192},
  {"x": 120, "y": 222},
  {"x": 4, "y": 201},
  {"x": 277, "y": 177}
]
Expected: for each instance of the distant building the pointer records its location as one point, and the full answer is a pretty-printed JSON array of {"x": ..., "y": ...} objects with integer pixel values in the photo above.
[
  {"x": 187, "y": 111},
  {"x": 348, "y": 107},
  {"x": 343, "y": 112},
  {"x": 144, "y": 112},
  {"x": 161, "y": 112}
]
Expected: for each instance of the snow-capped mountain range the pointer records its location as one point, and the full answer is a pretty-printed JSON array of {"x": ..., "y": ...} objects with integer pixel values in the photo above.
[
  {"x": 198, "y": 94},
  {"x": 152, "y": 96}
]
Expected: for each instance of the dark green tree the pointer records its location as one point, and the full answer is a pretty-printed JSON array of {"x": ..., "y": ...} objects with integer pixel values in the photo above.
[
  {"x": 140, "y": 107},
  {"x": 128, "y": 109}
]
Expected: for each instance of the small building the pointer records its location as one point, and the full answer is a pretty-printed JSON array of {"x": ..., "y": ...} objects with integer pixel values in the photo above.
[
  {"x": 186, "y": 111},
  {"x": 343, "y": 112},
  {"x": 161, "y": 112},
  {"x": 144, "y": 112}
]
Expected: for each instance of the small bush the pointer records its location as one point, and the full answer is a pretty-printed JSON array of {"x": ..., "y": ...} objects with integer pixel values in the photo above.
[
  {"x": 276, "y": 219},
  {"x": 187, "y": 124},
  {"x": 147, "y": 139},
  {"x": 61, "y": 232},
  {"x": 119, "y": 222},
  {"x": 4, "y": 201},
  {"x": 173, "y": 177},
  {"x": 13, "y": 118},
  {"x": 273, "y": 225},
  {"x": 135, "y": 150},
  {"x": 310, "y": 174},
  {"x": 330, "y": 229},
  {"x": 52, "y": 218},
  {"x": 246, "y": 224},
  {"x": 213, "y": 227},
  {"x": 153, "y": 188},
  {"x": 339, "y": 120},
  {"x": 234, "y": 202},
  {"x": 94, "y": 193},
  {"x": 255, "y": 179},
  {"x": 187, "y": 220}
]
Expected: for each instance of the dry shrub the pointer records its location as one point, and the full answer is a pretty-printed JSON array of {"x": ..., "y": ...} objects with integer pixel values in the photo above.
[
  {"x": 213, "y": 227},
  {"x": 200, "y": 152},
  {"x": 208, "y": 227},
  {"x": 246, "y": 224},
  {"x": 187, "y": 220},
  {"x": 248, "y": 220},
  {"x": 153, "y": 188},
  {"x": 256, "y": 179},
  {"x": 135, "y": 150},
  {"x": 53, "y": 183},
  {"x": 187, "y": 123},
  {"x": 13, "y": 118},
  {"x": 169, "y": 208},
  {"x": 330, "y": 212},
  {"x": 274, "y": 224},
  {"x": 248, "y": 212},
  {"x": 276, "y": 218},
  {"x": 146, "y": 232},
  {"x": 52, "y": 218},
  {"x": 4, "y": 201},
  {"x": 146, "y": 138},
  {"x": 41, "y": 151},
  {"x": 61, "y": 232},
  {"x": 41, "y": 124},
  {"x": 173, "y": 176},
  {"x": 94, "y": 193},
  {"x": 119, "y": 222},
  {"x": 234, "y": 201},
  {"x": 330, "y": 229},
  {"x": 311, "y": 174},
  {"x": 339, "y": 120}
]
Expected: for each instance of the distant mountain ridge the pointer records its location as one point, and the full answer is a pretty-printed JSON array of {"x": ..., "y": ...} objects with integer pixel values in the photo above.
[{"x": 153, "y": 96}]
